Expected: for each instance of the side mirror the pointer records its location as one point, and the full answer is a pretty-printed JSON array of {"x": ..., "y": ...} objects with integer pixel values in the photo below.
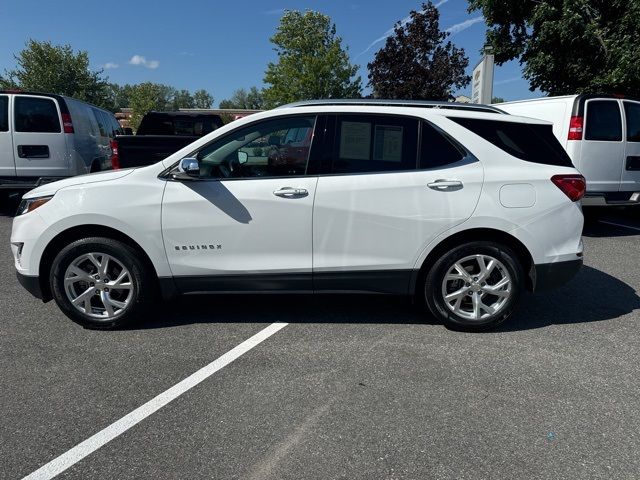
[
  {"x": 243, "y": 157},
  {"x": 188, "y": 169}
]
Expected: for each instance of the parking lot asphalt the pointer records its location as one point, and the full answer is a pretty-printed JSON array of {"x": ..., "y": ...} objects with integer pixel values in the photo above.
[{"x": 352, "y": 387}]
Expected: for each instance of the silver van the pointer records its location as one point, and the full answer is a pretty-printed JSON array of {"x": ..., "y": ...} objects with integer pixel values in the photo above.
[
  {"x": 46, "y": 137},
  {"x": 601, "y": 134}
]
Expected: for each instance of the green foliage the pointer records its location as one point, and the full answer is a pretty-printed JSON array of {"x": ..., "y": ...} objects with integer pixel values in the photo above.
[
  {"x": 202, "y": 99},
  {"x": 568, "y": 46},
  {"x": 497, "y": 100},
  {"x": 146, "y": 97},
  {"x": 241, "y": 99},
  {"x": 416, "y": 63},
  {"x": 311, "y": 64},
  {"x": 182, "y": 99},
  {"x": 44, "y": 67}
]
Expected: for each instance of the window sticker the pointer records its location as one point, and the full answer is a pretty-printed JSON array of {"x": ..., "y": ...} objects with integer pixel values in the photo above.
[
  {"x": 387, "y": 146},
  {"x": 355, "y": 140}
]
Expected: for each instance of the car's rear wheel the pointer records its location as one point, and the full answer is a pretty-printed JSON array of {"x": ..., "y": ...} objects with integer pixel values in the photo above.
[
  {"x": 475, "y": 286},
  {"x": 101, "y": 283}
]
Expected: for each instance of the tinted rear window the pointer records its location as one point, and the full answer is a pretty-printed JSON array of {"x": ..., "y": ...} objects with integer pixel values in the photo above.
[
  {"x": 437, "y": 150},
  {"x": 178, "y": 125},
  {"x": 36, "y": 115},
  {"x": 603, "y": 121},
  {"x": 530, "y": 142},
  {"x": 4, "y": 113},
  {"x": 632, "y": 112}
]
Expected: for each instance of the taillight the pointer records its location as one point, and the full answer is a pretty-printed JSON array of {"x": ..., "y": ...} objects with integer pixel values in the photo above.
[
  {"x": 575, "y": 128},
  {"x": 115, "y": 159},
  {"x": 67, "y": 123},
  {"x": 573, "y": 186}
]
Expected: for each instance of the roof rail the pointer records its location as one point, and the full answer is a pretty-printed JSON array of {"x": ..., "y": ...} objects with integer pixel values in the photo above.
[{"x": 396, "y": 103}]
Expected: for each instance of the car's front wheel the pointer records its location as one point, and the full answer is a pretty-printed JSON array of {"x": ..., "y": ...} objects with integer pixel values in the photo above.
[
  {"x": 101, "y": 283},
  {"x": 475, "y": 286}
]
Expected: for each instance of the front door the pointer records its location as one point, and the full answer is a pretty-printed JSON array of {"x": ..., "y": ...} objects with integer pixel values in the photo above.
[
  {"x": 630, "y": 180},
  {"x": 40, "y": 148},
  {"x": 602, "y": 154},
  {"x": 245, "y": 224},
  {"x": 385, "y": 200},
  {"x": 7, "y": 164}
]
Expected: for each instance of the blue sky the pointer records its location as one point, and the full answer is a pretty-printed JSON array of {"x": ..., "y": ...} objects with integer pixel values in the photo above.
[{"x": 220, "y": 45}]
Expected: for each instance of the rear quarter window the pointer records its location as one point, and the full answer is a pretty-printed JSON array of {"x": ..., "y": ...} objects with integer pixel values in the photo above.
[{"x": 529, "y": 142}]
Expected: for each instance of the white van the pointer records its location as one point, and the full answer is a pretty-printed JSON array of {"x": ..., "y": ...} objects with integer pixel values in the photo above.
[
  {"x": 601, "y": 134},
  {"x": 46, "y": 137}
]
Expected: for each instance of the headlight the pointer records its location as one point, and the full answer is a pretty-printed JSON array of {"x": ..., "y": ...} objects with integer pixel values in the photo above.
[{"x": 30, "y": 204}]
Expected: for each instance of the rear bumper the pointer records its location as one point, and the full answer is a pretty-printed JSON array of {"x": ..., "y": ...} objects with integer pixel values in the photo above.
[
  {"x": 31, "y": 285},
  {"x": 600, "y": 199},
  {"x": 552, "y": 275}
]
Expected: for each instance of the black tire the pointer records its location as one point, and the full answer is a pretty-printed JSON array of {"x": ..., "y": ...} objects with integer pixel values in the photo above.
[
  {"x": 433, "y": 286},
  {"x": 143, "y": 287}
]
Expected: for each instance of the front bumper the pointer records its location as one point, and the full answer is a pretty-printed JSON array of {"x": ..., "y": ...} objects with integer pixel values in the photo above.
[
  {"x": 31, "y": 285},
  {"x": 552, "y": 275}
]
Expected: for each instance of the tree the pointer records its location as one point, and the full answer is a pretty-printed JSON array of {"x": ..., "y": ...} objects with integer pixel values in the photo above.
[
  {"x": 311, "y": 62},
  {"x": 251, "y": 100},
  {"x": 497, "y": 100},
  {"x": 146, "y": 97},
  {"x": 44, "y": 67},
  {"x": 416, "y": 63},
  {"x": 569, "y": 46},
  {"x": 202, "y": 99},
  {"x": 182, "y": 99}
]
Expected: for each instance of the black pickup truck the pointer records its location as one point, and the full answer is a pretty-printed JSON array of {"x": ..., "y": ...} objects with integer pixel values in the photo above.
[{"x": 162, "y": 133}]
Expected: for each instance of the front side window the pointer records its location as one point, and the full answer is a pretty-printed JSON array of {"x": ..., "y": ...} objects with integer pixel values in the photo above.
[
  {"x": 375, "y": 143},
  {"x": 263, "y": 149},
  {"x": 4, "y": 113},
  {"x": 603, "y": 121},
  {"x": 34, "y": 114},
  {"x": 632, "y": 112}
]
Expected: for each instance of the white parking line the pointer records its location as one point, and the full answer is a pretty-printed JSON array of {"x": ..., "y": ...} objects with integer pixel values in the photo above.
[
  {"x": 620, "y": 225},
  {"x": 91, "y": 444}
]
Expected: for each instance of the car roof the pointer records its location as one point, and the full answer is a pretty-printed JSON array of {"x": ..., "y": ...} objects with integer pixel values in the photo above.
[
  {"x": 396, "y": 103},
  {"x": 402, "y": 110}
]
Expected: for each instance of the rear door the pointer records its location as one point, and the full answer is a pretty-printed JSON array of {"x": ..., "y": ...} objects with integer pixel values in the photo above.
[
  {"x": 630, "y": 179},
  {"x": 7, "y": 164},
  {"x": 392, "y": 184},
  {"x": 40, "y": 148},
  {"x": 603, "y": 148}
]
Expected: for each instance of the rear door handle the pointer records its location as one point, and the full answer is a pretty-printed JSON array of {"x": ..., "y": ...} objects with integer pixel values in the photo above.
[
  {"x": 443, "y": 185},
  {"x": 289, "y": 192}
]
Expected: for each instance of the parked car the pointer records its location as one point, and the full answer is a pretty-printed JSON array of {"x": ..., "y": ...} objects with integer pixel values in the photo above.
[
  {"x": 462, "y": 208},
  {"x": 162, "y": 133},
  {"x": 601, "y": 134},
  {"x": 46, "y": 137}
]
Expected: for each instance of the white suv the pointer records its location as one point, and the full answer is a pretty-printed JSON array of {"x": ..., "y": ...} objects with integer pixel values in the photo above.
[{"x": 460, "y": 206}]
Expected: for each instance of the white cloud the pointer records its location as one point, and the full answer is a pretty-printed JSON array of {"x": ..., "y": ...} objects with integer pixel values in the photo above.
[
  {"x": 459, "y": 27},
  {"x": 389, "y": 32},
  {"x": 140, "y": 60},
  {"x": 109, "y": 65},
  {"x": 508, "y": 80}
]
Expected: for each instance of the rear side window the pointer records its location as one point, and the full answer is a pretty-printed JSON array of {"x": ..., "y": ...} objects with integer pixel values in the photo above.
[
  {"x": 603, "y": 121},
  {"x": 375, "y": 143},
  {"x": 102, "y": 125},
  {"x": 36, "y": 115},
  {"x": 632, "y": 112},
  {"x": 436, "y": 149},
  {"x": 4, "y": 113},
  {"x": 530, "y": 142}
]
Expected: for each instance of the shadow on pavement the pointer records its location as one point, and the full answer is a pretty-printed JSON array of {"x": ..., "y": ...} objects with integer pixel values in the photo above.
[{"x": 592, "y": 296}]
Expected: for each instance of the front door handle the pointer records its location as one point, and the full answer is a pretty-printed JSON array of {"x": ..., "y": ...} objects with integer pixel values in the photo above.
[
  {"x": 444, "y": 185},
  {"x": 289, "y": 192}
]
